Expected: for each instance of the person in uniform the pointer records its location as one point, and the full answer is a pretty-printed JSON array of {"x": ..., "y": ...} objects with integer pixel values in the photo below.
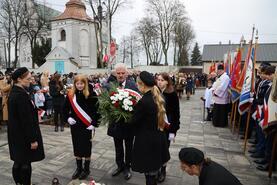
[
  {"x": 172, "y": 108},
  {"x": 24, "y": 136},
  {"x": 221, "y": 98},
  {"x": 121, "y": 131},
  {"x": 150, "y": 151},
  {"x": 209, "y": 172},
  {"x": 80, "y": 111}
]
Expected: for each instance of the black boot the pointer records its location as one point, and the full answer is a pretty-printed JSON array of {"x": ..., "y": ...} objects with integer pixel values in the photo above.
[
  {"x": 151, "y": 180},
  {"x": 56, "y": 128},
  {"x": 86, "y": 170},
  {"x": 62, "y": 128},
  {"x": 79, "y": 169},
  {"x": 162, "y": 174}
]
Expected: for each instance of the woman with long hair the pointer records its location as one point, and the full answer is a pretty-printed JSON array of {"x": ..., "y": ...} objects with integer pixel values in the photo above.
[
  {"x": 57, "y": 93},
  {"x": 172, "y": 108},
  {"x": 150, "y": 149},
  {"x": 80, "y": 111},
  {"x": 24, "y": 136}
]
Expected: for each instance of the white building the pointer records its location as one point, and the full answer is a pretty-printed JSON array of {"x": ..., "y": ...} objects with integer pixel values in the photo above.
[
  {"x": 73, "y": 41},
  {"x": 24, "y": 46}
]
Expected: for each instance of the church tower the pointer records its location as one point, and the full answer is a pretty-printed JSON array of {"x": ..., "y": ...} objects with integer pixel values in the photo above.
[{"x": 73, "y": 38}]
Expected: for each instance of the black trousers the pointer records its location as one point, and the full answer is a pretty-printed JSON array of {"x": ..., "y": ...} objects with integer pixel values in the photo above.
[
  {"x": 58, "y": 118},
  {"x": 220, "y": 115},
  {"x": 22, "y": 173},
  {"x": 119, "y": 152}
]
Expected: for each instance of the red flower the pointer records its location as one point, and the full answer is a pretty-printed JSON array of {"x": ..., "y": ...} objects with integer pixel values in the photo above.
[
  {"x": 112, "y": 93},
  {"x": 116, "y": 104},
  {"x": 134, "y": 101}
]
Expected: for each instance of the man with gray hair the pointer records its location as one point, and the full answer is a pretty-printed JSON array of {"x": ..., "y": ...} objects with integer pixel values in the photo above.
[{"x": 120, "y": 131}]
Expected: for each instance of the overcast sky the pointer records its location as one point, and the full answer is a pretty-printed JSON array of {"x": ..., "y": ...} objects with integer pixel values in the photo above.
[{"x": 212, "y": 20}]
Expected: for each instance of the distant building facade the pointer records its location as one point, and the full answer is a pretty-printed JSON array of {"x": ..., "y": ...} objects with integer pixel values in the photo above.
[{"x": 266, "y": 52}]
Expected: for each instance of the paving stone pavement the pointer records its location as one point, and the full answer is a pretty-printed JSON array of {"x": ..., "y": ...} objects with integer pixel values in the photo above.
[{"x": 218, "y": 143}]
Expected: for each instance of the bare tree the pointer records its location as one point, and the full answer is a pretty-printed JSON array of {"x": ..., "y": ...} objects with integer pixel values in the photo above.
[
  {"x": 18, "y": 10},
  {"x": 99, "y": 7},
  {"x": 6, "y": 24},
  {"x": 129, "y": 49},
  {"x": 36, "y": 22},
  {"x": 183, "y": 37},
  {"x": 148, "y": 34},
  {"x": 123, "y": 49},
  {"x": 165, "y": 12}
]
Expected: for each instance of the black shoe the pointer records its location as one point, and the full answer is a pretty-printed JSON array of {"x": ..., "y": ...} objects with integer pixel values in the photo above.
[
  {"x": 79, "y": 169},
  {"x": 127, "y": 174},
  {"x": 62, "y": 128},
  {"x": 252, "y": 151},
  {"x": 117, "y": 171},
  {"x": 85, "y": 173},
  {"x": 257, "y": 155},
  {"x": 162, "y": 174},
  {"x": 260, "y": 161},
  {"x": 56, "y": 129},
  {"x": 265, "y": 167}
]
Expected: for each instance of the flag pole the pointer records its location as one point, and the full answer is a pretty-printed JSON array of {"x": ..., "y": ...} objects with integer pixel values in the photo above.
[
  {"x": 235, "y": 115},
  {"x": 232, "y": 115},
  {"x": 252, "y": 86},
  {"x": 239, "y": 124}
]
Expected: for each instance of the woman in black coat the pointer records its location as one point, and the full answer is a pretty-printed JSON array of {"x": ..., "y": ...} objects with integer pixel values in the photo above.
[
  {"x": 150, "y": 149},
  {"x": 58, "y": 97},
  {"x": 172, "y": 108},
  {"x": 80, "y": 111},
  {"x": 209, "y": 172},
  {"x": 24, "y": 136}
]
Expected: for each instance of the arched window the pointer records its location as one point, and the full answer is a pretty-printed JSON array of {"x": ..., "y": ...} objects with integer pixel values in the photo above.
[{"x": 63, "y": 35}]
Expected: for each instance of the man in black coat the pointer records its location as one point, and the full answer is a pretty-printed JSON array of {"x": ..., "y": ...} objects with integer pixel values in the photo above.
[
  {"x": 24, "y": 136},
  {"x": 121, "y": 131},
  {"x": 209, "y": 172}
]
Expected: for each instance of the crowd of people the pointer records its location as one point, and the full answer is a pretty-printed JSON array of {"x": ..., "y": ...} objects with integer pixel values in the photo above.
[
  {"x": 141, "y": 145},
  {"x": 263, "y": 101},
  {"x": 48, "y": 90}
]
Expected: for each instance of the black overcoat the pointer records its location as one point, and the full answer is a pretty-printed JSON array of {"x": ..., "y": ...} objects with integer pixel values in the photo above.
[
  {"x": 122, "y": 130},
  {"x": 150, "y": 149},
  {"x": 81, "y": 136},
  {"x": 215, "y": 174},
  {"x": 57, "y": 98},
  {"x": 172, "y": 108},
  {"x": 23, "y": 128}
]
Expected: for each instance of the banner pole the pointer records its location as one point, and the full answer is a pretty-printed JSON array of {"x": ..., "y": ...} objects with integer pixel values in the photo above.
[
  {"x": 232, "y": 114},
  {"x": 235, "y": 115},
  {"x": 246, "y": 130}
]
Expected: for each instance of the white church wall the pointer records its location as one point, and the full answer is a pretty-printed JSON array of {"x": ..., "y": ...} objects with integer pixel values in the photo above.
[{"x": 93, "y": 48}]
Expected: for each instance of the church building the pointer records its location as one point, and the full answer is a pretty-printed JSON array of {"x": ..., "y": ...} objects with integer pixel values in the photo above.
[{"x": 73, "y": 41}]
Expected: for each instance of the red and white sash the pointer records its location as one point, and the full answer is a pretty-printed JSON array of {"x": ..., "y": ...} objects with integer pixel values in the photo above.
[{"x": 82, "y": 115}]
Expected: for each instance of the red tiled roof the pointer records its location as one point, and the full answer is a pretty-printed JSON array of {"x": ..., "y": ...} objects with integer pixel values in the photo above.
[{"x": 75, "y": 9}]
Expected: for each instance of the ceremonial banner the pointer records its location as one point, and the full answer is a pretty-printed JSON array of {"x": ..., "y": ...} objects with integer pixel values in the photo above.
[
  {"x": 235, "y": 75},
  {"x": 212, "y": 67},
  {"x": 245, "y": 98}
]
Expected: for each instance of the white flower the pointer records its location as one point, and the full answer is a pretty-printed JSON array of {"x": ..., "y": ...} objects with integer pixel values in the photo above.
[
  {"x": 126, "y": 94},
  {"x": 126, "y": 102},
  {"x": 114, "y": 98}
]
